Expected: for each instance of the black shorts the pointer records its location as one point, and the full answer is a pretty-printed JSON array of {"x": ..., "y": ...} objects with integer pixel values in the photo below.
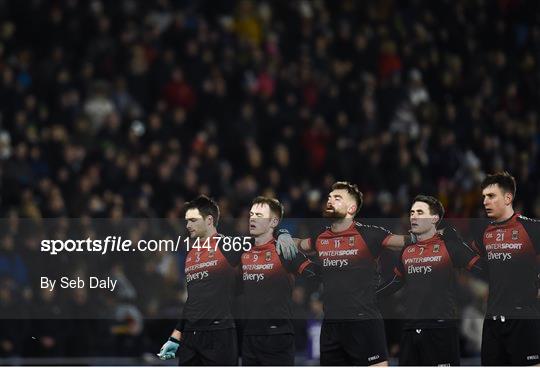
[
  {"x": 268, "y": 349},
  {"x": 215, "y": 347},
  {"x": 433, "y": 346},
  {"x": 353, "y": 342},
  {"x": 512, "y": 342}
]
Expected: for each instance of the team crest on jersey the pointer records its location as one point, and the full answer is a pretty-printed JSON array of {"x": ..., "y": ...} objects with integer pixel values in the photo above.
[
  {"x": 411, "y": 250},
  {"x": 268, "y": 256},
  {"x": 436, "y": 248},
  {"x": 337, "y": 243},
  {"x": 489, "y": 235},
  {"x": 325, "y": 242},
  {"x": 515, "y": 234},
  {"x": 351, "y": 241}
]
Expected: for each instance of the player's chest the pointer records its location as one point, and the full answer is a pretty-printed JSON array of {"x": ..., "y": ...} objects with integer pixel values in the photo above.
[
  {"x": 342, "y": 251},
  {"x": 505, "y": 243},
  {"x": 204, "y": 259},
  {"x": 261, "y": 265},
  {"x": 260, "y": 257},
  {"x": 423, "y": 260}
]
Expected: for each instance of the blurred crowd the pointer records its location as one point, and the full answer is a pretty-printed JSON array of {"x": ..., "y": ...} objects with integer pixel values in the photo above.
[{"x": 128, "y": 108}]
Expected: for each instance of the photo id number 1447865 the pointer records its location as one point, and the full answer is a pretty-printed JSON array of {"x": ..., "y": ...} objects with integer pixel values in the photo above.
[{"x": 225, "y": 243}]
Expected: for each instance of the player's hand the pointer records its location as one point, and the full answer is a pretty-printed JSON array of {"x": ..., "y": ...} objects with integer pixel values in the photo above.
[
  {"x": 449, "y": 233},
  {"x": 285, "y": 246},
  {"x": 169, "y": 349}
]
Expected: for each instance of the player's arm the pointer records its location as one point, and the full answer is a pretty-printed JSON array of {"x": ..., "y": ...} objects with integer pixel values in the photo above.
[
  {"x": 397, "y": 242},
  {"x": 301, "y": 265},
  {"x": 377, "y": 238},
  {"x": 538, "y": 275},
  {"x": 170, "y": 347},
  {"x": 307, "y": 246},
  {"x": 177, "y": 334},
  {"x": 233, "y": 256},
  {"x": 478, "y": 228},
  {"x": 389, "y": 287},
  {"x": 462, "y": 255},
  {"x": 532, "y": 227}
]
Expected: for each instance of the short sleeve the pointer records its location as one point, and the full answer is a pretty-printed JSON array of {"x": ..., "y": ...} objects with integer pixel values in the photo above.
[{"x": 375, "y": 237}]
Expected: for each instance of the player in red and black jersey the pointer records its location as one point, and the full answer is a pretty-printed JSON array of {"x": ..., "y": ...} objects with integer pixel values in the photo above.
[
  {"x": 353, "y": 330},
  {"x": 430, "y": 335},
  {"x": 510, "y": 244},
  {"x": 206, "y": 330},
  {"x": 268, "y": 280}
]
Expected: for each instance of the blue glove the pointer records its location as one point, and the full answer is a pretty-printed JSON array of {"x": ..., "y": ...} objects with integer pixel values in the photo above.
[
  {"x": 285, "y": 245},
  {"x": 168, "y": 350}
]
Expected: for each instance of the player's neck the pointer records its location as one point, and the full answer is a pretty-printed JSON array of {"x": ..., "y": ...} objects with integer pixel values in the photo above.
[
  {"x": 211, "y": 231},
  {"x": 508, "y": 212},
  {"x": 427, "y": 235},
  {"x": 341, "y": 224},
  {"x": 263, "y": 238}
]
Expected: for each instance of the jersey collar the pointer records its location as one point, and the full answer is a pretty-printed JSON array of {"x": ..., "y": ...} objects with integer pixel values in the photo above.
[
  {"x": 353, "y": 224},
  {"x": 426, "y": 242},
  {"x": 496, "y": 223}
]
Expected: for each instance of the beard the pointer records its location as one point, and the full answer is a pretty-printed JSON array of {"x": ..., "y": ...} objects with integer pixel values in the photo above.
[{"x": 330, "y": 212}]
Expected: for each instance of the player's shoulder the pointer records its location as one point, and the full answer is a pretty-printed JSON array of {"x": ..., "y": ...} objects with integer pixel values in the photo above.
[
  {"x": 527, "y": 220},
  {"x": 327, "y": 232},
  {"x": 360, "y": 227}
]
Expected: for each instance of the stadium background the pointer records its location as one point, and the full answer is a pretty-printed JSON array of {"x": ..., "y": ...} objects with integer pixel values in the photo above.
[{"x": 128, "y": 108}]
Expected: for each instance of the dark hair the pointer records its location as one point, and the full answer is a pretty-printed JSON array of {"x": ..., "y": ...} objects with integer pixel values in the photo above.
[
  {"x": 435, "y": 206},
  {"x": 275, "y": 206},
  {"x": 206, "y": 206},
  {"x": 353, "y": 190},
  {"x": 503, "y": 179}
]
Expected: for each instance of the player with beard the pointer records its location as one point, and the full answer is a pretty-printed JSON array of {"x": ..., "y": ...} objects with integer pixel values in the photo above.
[
  {"x": 510, "y": 243},
  {"x": 353, "y": 330},
  {"x": 207, "y": 331},
  {"x": 268, "y": 280},
  {"x": 430, "y": 334}
]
